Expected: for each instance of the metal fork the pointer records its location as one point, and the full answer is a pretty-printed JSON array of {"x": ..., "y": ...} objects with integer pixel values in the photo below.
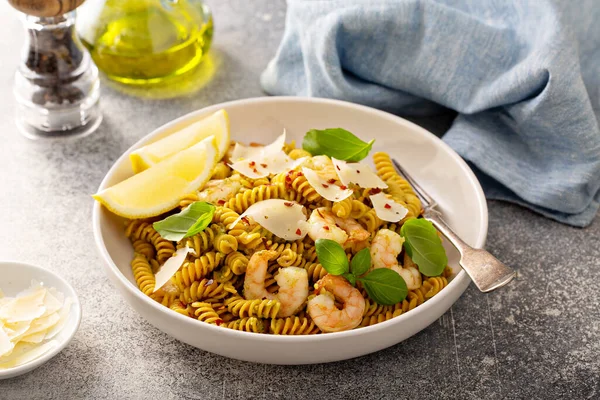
[{"x": 485, "y": 270}]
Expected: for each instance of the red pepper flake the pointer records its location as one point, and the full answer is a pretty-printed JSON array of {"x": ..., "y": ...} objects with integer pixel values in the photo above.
[
  {"x": 358, "y": 171},
  {"x": 331, "y": 181},
  {"x": 255, "y": 171},
  {"x": 209, "y": 282},
  {"x": 387, "y": 206},
  {"x": 263, "y": 165},
  {"x": 298, "y": 232},
  {"x": 324, "y": 185},
  {"x": 245, "y": 219},
  {"x": 219, "y": 322},
  {"x": 300, "y": 173},
  {"x": 252, "y": 163},
  {"x": 343, "y": 187},
  {"x": 375, "y": 190},
  {"x": 338, "y": 167},
  {"x": 326, "y": 227},
  {"x": 288, "y": 204},
  {"x": 221, "y": 202}
]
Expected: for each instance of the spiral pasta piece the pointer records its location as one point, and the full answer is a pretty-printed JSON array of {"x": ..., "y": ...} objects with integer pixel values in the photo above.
[
  {"x": 142, "y": 272},
  {"x": 142, "y": 230},
  {"x": 290, "y": 258},
  {"x": 142, "y": 247},
  {"x": 296, "y": 181},
  {"x": 251, "y": 324},
  {"x": 205, "y": 312},
  {"x": 237, "y": 262},
  {"x": 293, "y": 326},
  {"x": 343, "y": 208},
  {"x": 226, "y": 243},
  {"x": 371, "y": 222},
  {"x": 381, "y": 317},
  {"x": 203, "y": 241},
  {"x": 241, "y": 201},
  {"x": 195, "y": 270},
  {"x": 204, "y": 289},
  {"x": 250, "y": 183},
  {"x": 242, "y": 308},
  {"x": 180, "y": 308},
  {"x": 315, "y": 271}
]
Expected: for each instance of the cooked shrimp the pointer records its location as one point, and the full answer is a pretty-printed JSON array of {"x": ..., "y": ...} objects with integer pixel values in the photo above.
[
  {"x": 322, "y": 308},
  {"x": 293, "y": 289},
  {"x": 385, "y": 248},
  {"x": 220, "y": 189},
  {"x": 323, "y": 224},
  {"x": 292, "y": 281}
]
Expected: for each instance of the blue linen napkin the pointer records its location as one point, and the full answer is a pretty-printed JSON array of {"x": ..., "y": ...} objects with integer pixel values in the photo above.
[{"x": 524, "y": 76}]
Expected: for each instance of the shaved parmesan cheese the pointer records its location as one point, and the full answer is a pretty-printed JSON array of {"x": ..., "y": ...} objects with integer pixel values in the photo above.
[
  {"x": 34, "y": 337},
  {"x": 6, "y": 346},
  {"x": 43, "y": 324},
  {"x": 285, "y": 219},
  {"x": 28, "y": 321},
  {"x": 170, "y": 267},
  {"x": 52, "y": 303},
  {"x": 259, "y": 162},
  {"x": 241, "y": 152},
  {"x": 25, "y": 308},
  {"x": 359, "y": 174},
  {"x": 64, "y": 315},
  {"x": 29, "y": 355},
  {"x": 16, "y": 330},
  {"x": 387, "y": 209},
  {"x": 324, "y": 187}
]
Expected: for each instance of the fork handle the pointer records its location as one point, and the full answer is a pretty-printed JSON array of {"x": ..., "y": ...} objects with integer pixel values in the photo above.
[{"x": 485, "y": 270}]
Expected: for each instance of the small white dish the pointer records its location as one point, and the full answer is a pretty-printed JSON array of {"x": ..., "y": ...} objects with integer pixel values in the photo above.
[
  {"x": 15, "y": 277},
  {"x": 440, "y": 171}
]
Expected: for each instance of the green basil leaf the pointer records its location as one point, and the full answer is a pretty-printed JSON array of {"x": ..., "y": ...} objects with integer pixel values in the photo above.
[
  {"x": 385, "y": 286},
  {"x": 332, "y": 256},
  {"x": 350, "y": 278},
  {"x": 190, "y": 221},
  {"x": 361, "y": 262},
  {"x": 336, "y": 142},
  {"x": 424, "y": 246}
]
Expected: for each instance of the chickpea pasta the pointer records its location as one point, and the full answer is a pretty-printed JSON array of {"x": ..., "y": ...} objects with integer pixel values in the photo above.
[{"x": 239, "y": 275}]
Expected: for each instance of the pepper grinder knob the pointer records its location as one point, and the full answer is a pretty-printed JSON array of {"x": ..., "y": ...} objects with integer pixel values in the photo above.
[{"x": 45, "y": 8}]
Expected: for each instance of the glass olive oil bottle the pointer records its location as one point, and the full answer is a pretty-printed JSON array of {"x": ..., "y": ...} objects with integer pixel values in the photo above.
[{"x": 145, "y": 41}]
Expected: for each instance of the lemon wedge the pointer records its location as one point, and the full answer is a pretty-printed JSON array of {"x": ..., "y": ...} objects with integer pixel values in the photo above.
[
  {"x": 216, "y": 125},
  {"x": 159, "y": 189}
]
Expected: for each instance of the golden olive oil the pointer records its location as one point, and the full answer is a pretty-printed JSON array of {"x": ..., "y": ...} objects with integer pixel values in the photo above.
[{"x": 148, "y": 42}]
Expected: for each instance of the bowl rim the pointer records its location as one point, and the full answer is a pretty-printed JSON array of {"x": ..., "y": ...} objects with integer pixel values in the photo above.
[
  {"x": 460, "y": 279},
  {"x": 33, "y": 364}
]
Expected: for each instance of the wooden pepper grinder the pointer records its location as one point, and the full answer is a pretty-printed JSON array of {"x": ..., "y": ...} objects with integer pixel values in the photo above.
[{"x": 56, "y": 85}]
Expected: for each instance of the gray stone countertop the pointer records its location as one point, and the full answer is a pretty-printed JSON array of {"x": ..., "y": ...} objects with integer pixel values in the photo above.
[{"x": 538, "y": 338}]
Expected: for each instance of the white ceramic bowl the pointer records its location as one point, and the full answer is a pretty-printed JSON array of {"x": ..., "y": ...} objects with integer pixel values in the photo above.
[
  {"x": 15, "y": 277},
  {"x": 442, "y": 172}
]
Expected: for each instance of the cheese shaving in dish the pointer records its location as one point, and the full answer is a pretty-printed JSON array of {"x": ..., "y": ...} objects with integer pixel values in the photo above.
[
  {"x": 29, "y": 321},
  {"x": 285, "y": 219},
  {"x": 24, "y": 353},
  {"x": 259, "y": 162},
  {"x": 387, "y": 209},
  {"x": 170, "y": 267},
  {"x": 358, "y": 173},
  {"x": 327, "y": 190}
]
